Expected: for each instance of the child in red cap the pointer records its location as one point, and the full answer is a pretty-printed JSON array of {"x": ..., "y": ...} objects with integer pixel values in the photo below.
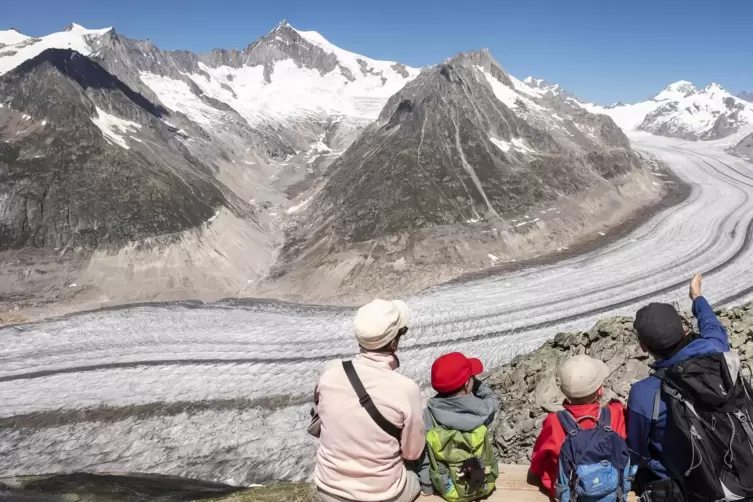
[{"x": 463, "y": 403}]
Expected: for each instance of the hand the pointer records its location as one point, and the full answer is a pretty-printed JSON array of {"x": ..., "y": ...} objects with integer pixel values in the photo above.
[{"x": 695, "y": 286}]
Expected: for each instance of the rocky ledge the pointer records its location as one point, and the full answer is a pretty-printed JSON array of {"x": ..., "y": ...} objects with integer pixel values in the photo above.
[{"x": 528, "y": 388}]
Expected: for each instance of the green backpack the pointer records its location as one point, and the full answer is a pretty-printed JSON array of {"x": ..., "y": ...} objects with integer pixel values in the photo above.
[{"x": 450, "y": 451}]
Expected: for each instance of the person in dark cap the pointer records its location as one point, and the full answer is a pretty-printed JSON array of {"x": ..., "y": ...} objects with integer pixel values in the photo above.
[{"x": 661, "y": 333}]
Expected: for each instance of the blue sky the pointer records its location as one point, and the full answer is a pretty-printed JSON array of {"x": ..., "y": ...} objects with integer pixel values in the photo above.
[{"x": 604, "y": 50}]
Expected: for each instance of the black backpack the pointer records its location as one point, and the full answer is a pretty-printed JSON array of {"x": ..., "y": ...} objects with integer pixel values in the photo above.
[{"x": 709, "y": 434}]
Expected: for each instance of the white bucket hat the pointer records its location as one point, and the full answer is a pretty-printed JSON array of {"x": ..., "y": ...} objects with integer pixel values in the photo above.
[
  {"x": 377, "y": 323},
  {"x": 581, "y": 376}
]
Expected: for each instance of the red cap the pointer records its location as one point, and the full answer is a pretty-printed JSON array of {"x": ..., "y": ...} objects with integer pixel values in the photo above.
[{"x": 451, "y": 371}]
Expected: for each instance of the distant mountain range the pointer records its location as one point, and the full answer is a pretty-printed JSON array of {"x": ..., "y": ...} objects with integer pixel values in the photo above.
[
  {"x": 295, "y": 165},
  {"x": 746, "y": 95},
  {"x": 681, "y": 110}
]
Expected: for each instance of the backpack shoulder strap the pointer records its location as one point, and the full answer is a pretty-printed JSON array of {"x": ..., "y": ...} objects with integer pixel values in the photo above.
[
  {"x": 658, "y": 373},
  {"x": 365, "y": 399},
  {"x": 568, "y": 422},
  {"x": 657, "y": 404},
  {"x": 605, "y": 418}
]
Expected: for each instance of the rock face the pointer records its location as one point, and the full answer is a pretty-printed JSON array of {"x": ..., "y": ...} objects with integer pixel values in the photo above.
[
  {"x": 683, "y": 111},
  {"x": 463, "y": 144},
  {"x": 528, "y": 385},
  {"x": 85, "y": 160},
  {"x": 744, "y": 148}
]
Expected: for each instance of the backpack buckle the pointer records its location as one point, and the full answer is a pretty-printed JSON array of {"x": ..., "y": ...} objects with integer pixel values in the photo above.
[
  {"x": 364, "y": 400},
  {"x": 740, "y": 416}
]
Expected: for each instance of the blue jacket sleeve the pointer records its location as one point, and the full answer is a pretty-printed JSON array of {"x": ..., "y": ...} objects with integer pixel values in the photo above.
[
  {"x": 709, "y": 325},
  {"x": 638, "y": 431}
]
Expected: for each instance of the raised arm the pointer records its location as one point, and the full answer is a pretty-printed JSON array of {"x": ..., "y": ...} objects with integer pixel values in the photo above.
[{"x": 708, "y": 323}]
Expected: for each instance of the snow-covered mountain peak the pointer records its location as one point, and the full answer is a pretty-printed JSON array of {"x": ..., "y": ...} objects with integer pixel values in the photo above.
[
  {"x": 543, "y": 85},
  {"x": 713, "y": 87},
  {"x": 22, "y": 48},
  {"x": 77, "y": 28},
  {"x": 676, "y": 90},
  {"x": 356, "y": 63},
  {"x": 11, "y": 37}
]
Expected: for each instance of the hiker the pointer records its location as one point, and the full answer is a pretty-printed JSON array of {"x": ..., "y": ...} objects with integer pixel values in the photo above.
[
  {"x": 582, "y": 435},
  {"x": 689, "y": 422},
  {"x": 457, "y": 421},
  {"x": 370, "y": 418}
]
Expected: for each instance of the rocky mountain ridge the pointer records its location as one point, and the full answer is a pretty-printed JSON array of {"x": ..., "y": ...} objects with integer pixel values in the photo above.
[
  {"x": 744, "y": 148},
  {"x": 74, "y": 169},
  {"x": 450, "y": 174},
  {"x": 528, "y": 386}
]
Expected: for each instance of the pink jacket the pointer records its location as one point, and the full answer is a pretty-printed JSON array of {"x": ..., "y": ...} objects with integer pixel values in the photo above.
[{"x": 356, "y": 459}]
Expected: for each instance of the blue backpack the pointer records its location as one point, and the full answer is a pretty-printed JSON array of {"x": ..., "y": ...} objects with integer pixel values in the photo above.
[{"x": 594, "y": 464}]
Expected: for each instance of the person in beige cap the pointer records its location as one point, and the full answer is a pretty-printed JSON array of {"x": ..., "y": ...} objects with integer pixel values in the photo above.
[
  {"x": 371, "y": 417},
  {"x": 582, "y": 382}
]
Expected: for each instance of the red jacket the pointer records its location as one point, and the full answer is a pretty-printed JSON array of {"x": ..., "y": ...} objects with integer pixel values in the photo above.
[{"x": 546, "y": 451}]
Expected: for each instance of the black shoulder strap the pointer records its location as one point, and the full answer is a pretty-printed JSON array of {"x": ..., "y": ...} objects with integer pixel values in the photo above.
[{"x": 365, "y": 399}]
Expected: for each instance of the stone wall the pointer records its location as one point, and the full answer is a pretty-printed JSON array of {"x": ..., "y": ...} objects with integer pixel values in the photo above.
[{"x": 528, "y": 388}]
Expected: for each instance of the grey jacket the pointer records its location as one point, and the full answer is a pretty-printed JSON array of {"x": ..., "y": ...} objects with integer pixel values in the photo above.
[{"x": 461, "y": 413}]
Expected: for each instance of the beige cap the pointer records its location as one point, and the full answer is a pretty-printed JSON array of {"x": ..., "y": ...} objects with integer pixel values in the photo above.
[
  {"x": 377, "y": 323},
  {"x": 581, "y": 376}
]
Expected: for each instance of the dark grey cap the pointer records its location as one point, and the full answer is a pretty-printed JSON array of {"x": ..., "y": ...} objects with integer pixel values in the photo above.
[{"x": 659, "y": 328}]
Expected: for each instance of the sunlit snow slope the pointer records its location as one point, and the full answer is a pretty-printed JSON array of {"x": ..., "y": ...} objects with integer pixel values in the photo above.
[
  {"x": 19, "y": 48},
  {"x": 355, "y": 87}
]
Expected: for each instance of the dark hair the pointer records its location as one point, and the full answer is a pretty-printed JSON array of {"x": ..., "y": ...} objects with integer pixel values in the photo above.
[
  {"x": 453, "y": 393},
  {"x": 388, "y": 347},
  {"x": 591, "y": 398}
]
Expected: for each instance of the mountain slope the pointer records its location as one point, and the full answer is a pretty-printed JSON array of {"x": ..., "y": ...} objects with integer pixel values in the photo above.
[
  {"x": 683, "y": 111},
  {"x": 744, "y": 148},
  {"x": 87, "y": 161},
  {"x": 449, "y": 176}
]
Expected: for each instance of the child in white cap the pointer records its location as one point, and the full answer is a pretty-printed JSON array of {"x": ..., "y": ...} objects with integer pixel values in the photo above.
[{"x": 582, "y": 382}]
